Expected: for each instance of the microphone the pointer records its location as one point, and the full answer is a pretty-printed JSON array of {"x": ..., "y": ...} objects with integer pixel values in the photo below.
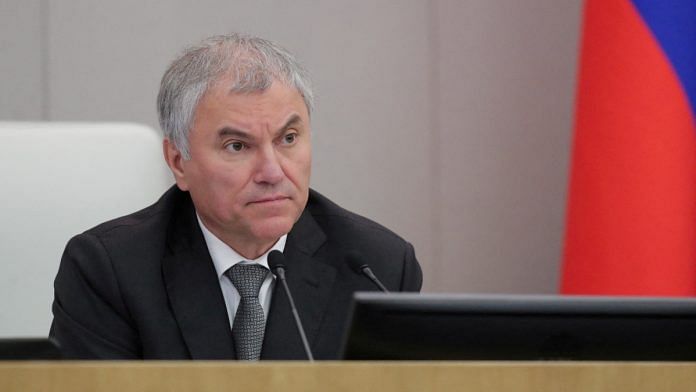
[
  {"x": 355, "y": 262},
  {"x": 276, "y": 260}
]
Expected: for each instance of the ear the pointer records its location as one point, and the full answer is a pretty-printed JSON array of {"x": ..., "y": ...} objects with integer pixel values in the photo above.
[{"x": 175, "y": 161}]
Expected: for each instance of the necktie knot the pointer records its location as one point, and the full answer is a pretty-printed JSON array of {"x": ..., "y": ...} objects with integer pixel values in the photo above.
[{"x": 247, "y": 278}]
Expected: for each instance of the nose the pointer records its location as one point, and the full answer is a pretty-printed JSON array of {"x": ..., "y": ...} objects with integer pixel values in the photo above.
[{"x": 269, "y": 169}]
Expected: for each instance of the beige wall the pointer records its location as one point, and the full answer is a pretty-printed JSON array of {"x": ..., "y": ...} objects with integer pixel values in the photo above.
[{"x": 447, "y": 120}]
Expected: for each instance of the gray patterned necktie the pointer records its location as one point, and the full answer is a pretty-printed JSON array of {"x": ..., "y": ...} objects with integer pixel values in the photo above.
[{"x": 249, "y": 321}]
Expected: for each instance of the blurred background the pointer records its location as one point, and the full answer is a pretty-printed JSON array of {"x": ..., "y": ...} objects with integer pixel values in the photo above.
[{"x": 448, "y": 121}]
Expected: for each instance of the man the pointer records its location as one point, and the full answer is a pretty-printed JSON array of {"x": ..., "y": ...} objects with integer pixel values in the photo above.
[{"x": 188, "y": 277}]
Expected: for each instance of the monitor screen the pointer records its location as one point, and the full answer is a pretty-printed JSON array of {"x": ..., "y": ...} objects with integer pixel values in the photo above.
[{"x": 408, "y": 326}]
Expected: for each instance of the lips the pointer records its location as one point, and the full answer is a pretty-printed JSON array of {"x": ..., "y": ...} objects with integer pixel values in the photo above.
[{"x": 269, "y": 199}]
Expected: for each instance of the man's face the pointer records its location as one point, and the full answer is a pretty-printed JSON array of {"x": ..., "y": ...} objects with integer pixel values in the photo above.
[{"x": 250, "y": 164}]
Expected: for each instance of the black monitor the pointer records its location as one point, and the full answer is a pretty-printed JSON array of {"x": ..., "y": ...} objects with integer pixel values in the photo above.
[
  {"x": 407, "y": 326},
  {"x": 28, "y": 349}
]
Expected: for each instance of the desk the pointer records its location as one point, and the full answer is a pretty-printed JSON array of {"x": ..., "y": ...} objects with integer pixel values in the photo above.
[{"x": 174, "y": 376}]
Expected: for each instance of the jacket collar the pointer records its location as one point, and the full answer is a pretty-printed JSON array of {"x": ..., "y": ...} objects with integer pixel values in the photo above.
[
  {"x": 310, "y": 280},
  {"x": 193, "y": 287}
]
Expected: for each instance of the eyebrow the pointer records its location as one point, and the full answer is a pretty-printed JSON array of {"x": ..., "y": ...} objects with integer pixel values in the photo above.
[
  {"x": 229, "y": 131},
  {"x": 295, "y": 119}
]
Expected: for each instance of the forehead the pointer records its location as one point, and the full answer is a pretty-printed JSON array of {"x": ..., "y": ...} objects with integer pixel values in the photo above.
[{"x": 277, "y": 100}]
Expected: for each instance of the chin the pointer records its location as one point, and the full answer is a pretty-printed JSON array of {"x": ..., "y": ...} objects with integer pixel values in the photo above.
[{"x": 273, "y": 229}]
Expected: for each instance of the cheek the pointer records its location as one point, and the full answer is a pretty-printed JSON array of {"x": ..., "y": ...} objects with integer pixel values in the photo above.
[
  {"x": 302, "y": 166},
  {"x": 223, "y": 185}
]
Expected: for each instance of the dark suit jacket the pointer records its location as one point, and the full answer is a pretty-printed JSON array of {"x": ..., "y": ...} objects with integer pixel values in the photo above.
[{"x": 144, "y": 285}]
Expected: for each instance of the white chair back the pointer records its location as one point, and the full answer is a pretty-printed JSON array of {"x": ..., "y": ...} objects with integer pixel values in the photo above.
[{"x": 58, "y": 180}]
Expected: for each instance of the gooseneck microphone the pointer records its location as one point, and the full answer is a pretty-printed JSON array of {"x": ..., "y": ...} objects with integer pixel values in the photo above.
[
  {"x": 276, "y": 260},
  {"x": 355, "y": 261}
]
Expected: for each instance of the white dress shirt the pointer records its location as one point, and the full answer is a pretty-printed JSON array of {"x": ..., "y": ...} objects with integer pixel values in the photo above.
[{"x": 224, "y": 257}]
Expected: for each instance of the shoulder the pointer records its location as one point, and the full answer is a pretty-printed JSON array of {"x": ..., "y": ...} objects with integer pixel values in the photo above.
[
  {"x": 336, "y": 220},
  {"x": 127, "y": 247},
  {"x": 148, "y": 221},
  {"x": 131, "y": 239},
  {"x": 390, "y": 256}
]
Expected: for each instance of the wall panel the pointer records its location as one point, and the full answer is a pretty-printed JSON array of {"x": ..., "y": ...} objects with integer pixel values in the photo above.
[
  {"x": 21, "y": 54},
  {"x": 506, "y": 87}
]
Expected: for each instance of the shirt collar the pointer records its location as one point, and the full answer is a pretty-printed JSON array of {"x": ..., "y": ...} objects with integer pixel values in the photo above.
[{"x": 224, "y": 257}]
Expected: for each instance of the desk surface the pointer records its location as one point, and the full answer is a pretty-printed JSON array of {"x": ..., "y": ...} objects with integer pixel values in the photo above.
[{"x": 347, "y": 376}]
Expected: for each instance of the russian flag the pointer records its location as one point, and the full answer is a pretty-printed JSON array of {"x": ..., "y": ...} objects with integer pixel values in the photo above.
[{"x": 631, "y": 218}]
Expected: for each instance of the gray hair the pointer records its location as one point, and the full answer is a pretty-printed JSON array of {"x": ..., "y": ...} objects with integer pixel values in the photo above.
[{"x": 252, "y": 63}]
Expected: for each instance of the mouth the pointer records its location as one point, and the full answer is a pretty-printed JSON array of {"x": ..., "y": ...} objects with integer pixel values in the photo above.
[{"x": 270, "y": 199}]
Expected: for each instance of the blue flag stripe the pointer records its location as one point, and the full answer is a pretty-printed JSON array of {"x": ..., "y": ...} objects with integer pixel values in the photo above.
[{"x": 673, "y": 22}]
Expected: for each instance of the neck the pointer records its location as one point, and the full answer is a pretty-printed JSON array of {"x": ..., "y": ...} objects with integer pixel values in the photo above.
[
  {"x": 250, "y": 251},
  {"x": 248, "y": 248}
]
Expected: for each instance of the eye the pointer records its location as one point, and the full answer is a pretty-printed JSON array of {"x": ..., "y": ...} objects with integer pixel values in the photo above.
[
  {"x": 290, "y": 138},
  {"x": 235, "y": 146}
]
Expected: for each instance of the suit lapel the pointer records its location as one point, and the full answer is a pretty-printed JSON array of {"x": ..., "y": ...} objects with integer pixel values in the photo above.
[
  {"x": 193, "y": 288},
  {"x": 310, "y": 281}
]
